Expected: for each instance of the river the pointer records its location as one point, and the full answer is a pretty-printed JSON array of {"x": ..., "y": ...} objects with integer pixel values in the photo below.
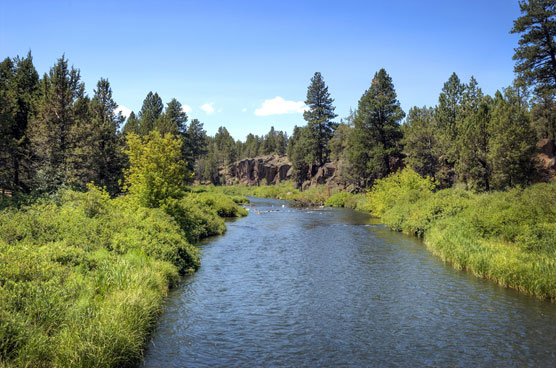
[{"x": 331, "y": 288}]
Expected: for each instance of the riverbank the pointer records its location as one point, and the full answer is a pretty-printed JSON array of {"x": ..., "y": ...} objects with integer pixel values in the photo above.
[
  {"x": 508, "y": 237},
  {"x": 83, "y": 277}
]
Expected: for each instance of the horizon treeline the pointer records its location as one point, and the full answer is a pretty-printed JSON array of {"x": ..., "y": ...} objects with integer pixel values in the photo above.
[{"x": 53, "y": 134}]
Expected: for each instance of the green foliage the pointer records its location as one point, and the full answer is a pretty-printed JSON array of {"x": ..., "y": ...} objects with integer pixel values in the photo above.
[
  {"x": 319, "y": 117},
  {"x": 509, "y": 237},
  {"x": 420, "y": 141},
  {"x": 376, "y": 135},
  {"x": 403, "y": 186},
  {"x": 156, "y": 171}
]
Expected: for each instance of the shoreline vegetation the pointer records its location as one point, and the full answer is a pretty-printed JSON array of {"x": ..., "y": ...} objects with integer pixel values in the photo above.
[
  {"x": 506, "y": 236},
  {"x": 83, "y": 276}
]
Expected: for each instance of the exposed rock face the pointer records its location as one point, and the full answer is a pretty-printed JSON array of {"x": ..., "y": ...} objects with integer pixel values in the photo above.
[
  {"x": 251, "y": 171},
  {"x": 272, "y": 170},
  {"x": 546, "y": 159}
]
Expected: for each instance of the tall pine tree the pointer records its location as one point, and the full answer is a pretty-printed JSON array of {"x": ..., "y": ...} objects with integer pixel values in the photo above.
[
  {"x": 319, "y": 116},
  {"x": 375, "y": 140}
]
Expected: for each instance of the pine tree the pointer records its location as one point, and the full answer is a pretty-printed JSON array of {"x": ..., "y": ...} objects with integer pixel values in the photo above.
[
  {"x": 19, "y": 83},
  {"x": 173, "y": 121},
  {"x": 420, "y": 141},
  {"x": 50, "y": 130},
  {"x": 131, "y": 124},
  {"x": 512, "y": 142},
  {"x": 472, "y": 140},
  {"x": 536, "y": 54},
  {"x": 447, "y": 115},
  {"x": 303, "y": 153},
  {"x": 150, "y": 112},
  {"x": 319, "y": 116},
  {"x": 98, "y": 151},
  {"x": 375, "y": 140}
]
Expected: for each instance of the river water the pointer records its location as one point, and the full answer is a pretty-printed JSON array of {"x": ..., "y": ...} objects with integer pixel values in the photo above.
[{"x": 330, "y": 288}]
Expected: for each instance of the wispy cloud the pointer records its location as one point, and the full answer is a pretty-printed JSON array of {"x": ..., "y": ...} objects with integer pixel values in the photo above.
[
  {"x": 278, "y": 105},
  {"x": 124, "y": 110},
  {"x": 244, "y": 109},
  {"x": 186, "y": 108},
  {"x": 208, "y": 108}
]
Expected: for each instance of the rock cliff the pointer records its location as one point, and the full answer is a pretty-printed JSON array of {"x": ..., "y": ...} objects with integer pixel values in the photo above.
[{"x": 272, "y": 170}]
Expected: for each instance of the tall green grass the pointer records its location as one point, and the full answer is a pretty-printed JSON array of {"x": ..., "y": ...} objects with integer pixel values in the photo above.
[
  {"x": 83, "y": 277},
  {"x": 509, "y": 237}
]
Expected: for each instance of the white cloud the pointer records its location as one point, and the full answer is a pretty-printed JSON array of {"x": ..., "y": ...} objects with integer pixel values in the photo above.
[
  {"x": 186, "y": 108},
  {"x": 124, "y": 110},
  {"x": 208, "y": 108},
  {"x": 244, "y": 109},
  {"x": 278, "y": 105}
]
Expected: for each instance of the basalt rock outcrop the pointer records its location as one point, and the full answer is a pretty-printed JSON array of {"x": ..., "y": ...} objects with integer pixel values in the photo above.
[{"x": 273, "y": 170}]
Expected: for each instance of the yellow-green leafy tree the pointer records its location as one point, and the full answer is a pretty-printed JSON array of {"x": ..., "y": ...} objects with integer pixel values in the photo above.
[{"x": 156, "y": 171}]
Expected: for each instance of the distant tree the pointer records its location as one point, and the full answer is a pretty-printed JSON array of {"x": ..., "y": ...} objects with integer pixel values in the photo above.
[
  {"x": 319, "y": 116},
  {"x": 150, "y": 112},
  {"x": 252, "y": 143},
  {"x": 303, "y": 153},
  {"x": 224, "y": 147},
  {"x": 268, "y": 145},
  {"x": 131, "y": 125},
  {"x": 281, "y": 143},
  {"x": 197, "y": 139},
  {"x": 174, "y": 119},
  {"x": 420, "y": 141},
  {"x": 376, "y": 136}
]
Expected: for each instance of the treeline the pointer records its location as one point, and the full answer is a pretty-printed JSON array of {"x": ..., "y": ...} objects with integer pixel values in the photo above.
[{"x": 53, "y": 134}]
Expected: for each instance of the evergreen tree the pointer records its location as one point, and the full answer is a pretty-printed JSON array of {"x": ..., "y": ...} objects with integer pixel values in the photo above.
[
  {"x": 132, "y": 124},
  {"x": 50, "y": 130},
  {"x": 197, "y": 139},
  {"x": 536, "y": 54},
  {"x": 281, "y": 143},
  {"x": 269, "y": 142},
  {"x": 18, "y": 93},
  {"x": 447, "y": 115},
  {"x": 472, "y": 141},
  {"x": 303, "y": 153},
  {"x": 375, "y": 140},
  {"x": 543, "y": 113},
  {"x": 512, "y": 142},
  {"x": 150, "y": 112},
  {"x": 174, "y": 120},
  {"x": 252, "y": 143},
  {"x": 420, "y": 141},
  {"x": 224, "y": 147},
  {"x": 98, "y": 153},
  {"x": 319, "y": 116}
]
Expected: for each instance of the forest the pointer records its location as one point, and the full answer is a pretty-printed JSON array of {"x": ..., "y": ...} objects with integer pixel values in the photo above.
[{"x": 98, "y": 212}]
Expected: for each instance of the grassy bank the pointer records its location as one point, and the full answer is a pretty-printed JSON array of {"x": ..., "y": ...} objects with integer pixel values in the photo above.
[
  {"x": 83, "y": 277},
  {"x": 509, "y": 237}
]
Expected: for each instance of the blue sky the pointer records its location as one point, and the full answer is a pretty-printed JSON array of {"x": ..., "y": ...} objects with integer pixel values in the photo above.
[{"x": 224, "y": 59}]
